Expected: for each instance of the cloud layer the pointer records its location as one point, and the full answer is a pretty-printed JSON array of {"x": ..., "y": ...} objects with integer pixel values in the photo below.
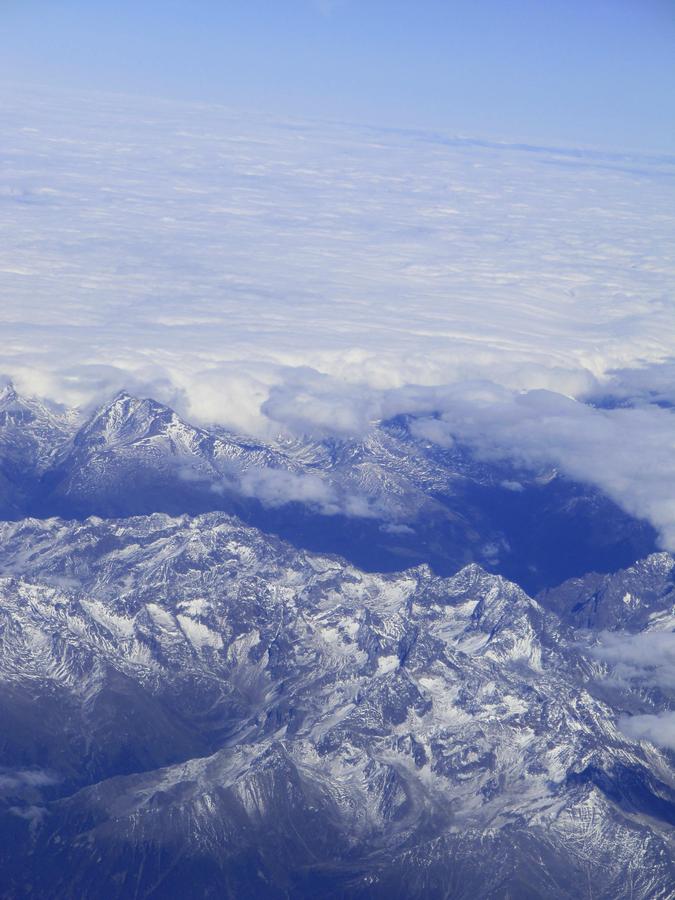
[
  {"x": 659, "y": 728},
  {"x": 647, "y": 658},
  {"x": 199, "y": 250},
  {"x": 643, "y": 661},
  {"x": 314, "y": 277}
]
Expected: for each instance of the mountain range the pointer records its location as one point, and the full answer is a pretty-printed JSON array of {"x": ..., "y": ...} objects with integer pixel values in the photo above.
[
  {"x": 365, "y": 668},
  {"x": 384, "y": 501}
]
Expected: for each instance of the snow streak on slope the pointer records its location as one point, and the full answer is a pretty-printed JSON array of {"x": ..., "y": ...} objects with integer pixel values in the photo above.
[{"x": 247, "y": 719}]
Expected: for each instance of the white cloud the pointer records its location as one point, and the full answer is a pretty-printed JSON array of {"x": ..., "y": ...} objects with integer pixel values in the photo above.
[
  {"x": 646, "y": 658},
  {"x": 169, "y": 241},
  {"x": 13, "y": 781},
  {"x": 313, "y": 277},
  {"x": 628, "y": 453},
  {"x": 434, "y": 430},
  {"x": 395, "y": 528},
  {"x": 307, "y": 402},
  {"x": 659, "y": 729},
  {"x": 642, "y": 661},
  {"x": 275, "y": 487}
]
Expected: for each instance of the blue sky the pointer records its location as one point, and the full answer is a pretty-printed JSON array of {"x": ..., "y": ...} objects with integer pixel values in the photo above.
[{"x": 581, "y": 72}]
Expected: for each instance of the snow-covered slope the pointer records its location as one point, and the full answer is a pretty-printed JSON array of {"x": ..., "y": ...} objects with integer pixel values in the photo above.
[
  {"x": 30, "y": 435},
  {"x": 624, "y": 599},
  {"x": 196, "y": 708},
  {"x": 137, "y": 455},
  {"x": 385, "y": 502}
]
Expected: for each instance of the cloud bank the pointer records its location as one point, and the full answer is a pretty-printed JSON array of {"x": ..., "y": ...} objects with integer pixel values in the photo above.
[
  {"x": 283, "y": 276},
  {"x": 209, "y": 253},
  {"x": 659, "y": 729},
  {"x": 647, "y": 658},
  {"x": 643, "y": 661}
]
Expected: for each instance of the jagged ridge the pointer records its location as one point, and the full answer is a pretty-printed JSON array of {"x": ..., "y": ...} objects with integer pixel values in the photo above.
[{"x": 291, "y": 725}]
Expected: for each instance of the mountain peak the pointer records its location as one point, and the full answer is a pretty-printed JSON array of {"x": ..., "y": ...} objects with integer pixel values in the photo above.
[
  {"x": 123, "y": 395},
  {"x": 126, "y": 419},
  {"x": 16, "y": 410},
  {"x": 122, "y": 416},
  {"x": 125, "y": 404},
  {"x": 8, "y": 394}
]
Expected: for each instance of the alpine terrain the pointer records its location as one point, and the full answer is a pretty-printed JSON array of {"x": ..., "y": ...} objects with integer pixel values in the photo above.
[{"x": 373, "y": 668}]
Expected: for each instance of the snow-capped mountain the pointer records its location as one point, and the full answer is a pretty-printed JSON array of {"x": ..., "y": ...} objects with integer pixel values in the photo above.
[
  {"x": 625, "y": 599},
  {"x": 297, "y": 669},
  {"x": 385, "y": 502},
  {"x": 29, "y": 429},
  {"x": 196, "y": 708},
  {"x": 135, "y": 456},
  {"x": 30, "y": 435}
]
